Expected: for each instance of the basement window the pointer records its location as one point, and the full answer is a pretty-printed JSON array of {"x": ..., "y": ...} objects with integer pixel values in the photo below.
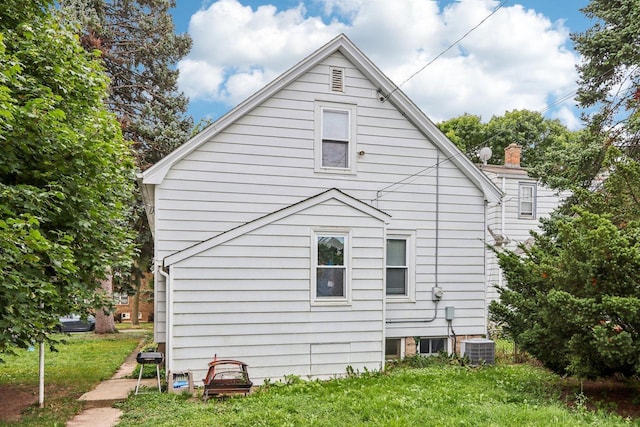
[
  {"x": 432, "y": 346},
  {"x": 393, "y": 348}
]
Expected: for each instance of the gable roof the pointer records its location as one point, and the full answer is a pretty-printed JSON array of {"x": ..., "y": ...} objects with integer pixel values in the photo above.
[
  {"x": 386, "y": 88},
  {"x": 221, "y": 238}
]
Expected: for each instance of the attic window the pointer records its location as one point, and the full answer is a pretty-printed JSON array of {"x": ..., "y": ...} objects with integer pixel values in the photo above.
[
  {"x": 337, "y": 80},
  {"x": 335, "y": 138}
]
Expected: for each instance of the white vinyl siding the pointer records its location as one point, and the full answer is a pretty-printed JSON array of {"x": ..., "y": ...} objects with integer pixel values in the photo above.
[
  {"x": 249, "y": 299},
  {"x": 268, "y": 160},
  {"x": 506, "y": 219}
]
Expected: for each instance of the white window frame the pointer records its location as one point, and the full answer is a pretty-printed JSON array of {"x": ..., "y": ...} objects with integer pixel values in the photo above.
[
  {"x": 395, "y": 356},
  {"x": 120, "y": 297},
  {"x": 410, "y": 239},
  {"x": 320, "y": 107},
  {"x": 522, "y": 200},
  {"x": 337, "y": 300},
  {"x": 430, "y": 353}
]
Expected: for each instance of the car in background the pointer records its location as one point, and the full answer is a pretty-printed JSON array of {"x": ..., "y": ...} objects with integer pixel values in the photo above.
[{"x": 74, "y": 323}]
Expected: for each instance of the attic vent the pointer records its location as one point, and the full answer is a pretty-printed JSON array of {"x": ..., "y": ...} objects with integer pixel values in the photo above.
[
  {"x": 479, "y": 351},
  {"x": 337, "y": 80}
]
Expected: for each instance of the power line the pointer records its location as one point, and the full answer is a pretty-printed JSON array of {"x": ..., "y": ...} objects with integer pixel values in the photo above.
[
  {"x": 383, "y": 191},
  {"x": 448, "y": 48},
  {"x": 469, "y": 151}
]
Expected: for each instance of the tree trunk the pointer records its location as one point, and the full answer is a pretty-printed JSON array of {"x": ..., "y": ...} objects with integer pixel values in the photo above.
[
  {"x": 105, "y": 324},
  {"x": 135, "y": 307}
]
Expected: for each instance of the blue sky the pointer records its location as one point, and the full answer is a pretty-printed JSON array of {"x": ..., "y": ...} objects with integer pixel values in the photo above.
[{"x": 521, "y": 57}]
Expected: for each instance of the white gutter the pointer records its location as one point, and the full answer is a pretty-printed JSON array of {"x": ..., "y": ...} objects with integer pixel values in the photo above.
[{"x": 169, "y": 318}]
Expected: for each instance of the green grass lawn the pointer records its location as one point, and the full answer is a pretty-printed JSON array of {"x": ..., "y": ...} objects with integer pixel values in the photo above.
[
  {"x": 436, "y": 395},
  {"x": 439, "y": 394},
  {"x": 79, "y": 365}
]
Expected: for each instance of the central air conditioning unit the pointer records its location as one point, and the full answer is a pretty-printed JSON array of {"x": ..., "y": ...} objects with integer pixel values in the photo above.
[{"x": 479, "y": 351}]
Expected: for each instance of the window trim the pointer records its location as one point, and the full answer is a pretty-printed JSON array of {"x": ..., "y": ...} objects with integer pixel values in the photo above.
[
  {"x": 419, "y": 349},
  {"x": 410, "y": 238},
  {"x": 533, "y": 186},
  {"x": 119, "y": 297},
  {"x": 320, "y": 107},
  {"x": 401, "y": 344},
  {"x": 342, "y": 300}
]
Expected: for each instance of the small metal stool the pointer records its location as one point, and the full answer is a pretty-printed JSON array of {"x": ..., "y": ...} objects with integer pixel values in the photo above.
[{"x": 149, "y": 358}]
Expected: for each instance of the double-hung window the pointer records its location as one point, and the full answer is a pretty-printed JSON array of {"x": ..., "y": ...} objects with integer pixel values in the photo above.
[
  {"x": 331, "y": 267},
  {"x": 399, "y": 268},
  {"x": 527, "y": 200},
  {"x": 335, "y": 138},
  {"x": 335, "y": 145}
]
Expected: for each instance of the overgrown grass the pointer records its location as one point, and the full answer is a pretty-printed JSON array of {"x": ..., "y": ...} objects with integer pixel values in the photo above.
[
  {"x": 81, "y": 363},
  {"x": 441, "y": 394},
  {"x": 126, "y": 324}
]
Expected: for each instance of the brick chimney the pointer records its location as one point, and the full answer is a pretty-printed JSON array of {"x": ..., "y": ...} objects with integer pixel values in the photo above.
[{"x": 512, "y": 156}]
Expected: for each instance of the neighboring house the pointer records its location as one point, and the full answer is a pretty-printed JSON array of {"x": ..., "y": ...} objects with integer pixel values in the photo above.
[
  {"x": 322, "y": 223},
  {"x": 124, "y": 303},
  {"x": 525, "y": 201}
]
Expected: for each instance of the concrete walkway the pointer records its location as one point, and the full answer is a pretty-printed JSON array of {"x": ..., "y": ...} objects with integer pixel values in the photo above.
[{"x": 99, "y": 410}]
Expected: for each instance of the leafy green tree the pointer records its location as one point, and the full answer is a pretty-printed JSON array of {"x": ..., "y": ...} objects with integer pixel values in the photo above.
[
  {"x": 139, "y": 48},
  {"x": 467, "y": 132},
  {"x": 535, "y": 134},
  {"x": 65, "y": 175},
  {"x": 530, "y": 130},
  {"x": 570, "y": 162}
]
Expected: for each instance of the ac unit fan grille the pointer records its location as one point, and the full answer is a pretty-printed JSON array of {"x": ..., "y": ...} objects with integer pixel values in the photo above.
[{"x": 479, "y": 351}]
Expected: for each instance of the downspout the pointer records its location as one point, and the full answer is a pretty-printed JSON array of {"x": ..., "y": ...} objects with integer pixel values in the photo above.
[
  {"x": 169, "y": 319},
  {"x": 384, "y": 300},
  {"x": 437, "y": 243}
]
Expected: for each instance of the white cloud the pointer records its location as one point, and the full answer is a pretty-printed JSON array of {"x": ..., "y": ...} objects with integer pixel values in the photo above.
[
  {"x": 516, "y": 59},
  {"x": 200, "y": 79},
  {"x": 568, "y": 117}
]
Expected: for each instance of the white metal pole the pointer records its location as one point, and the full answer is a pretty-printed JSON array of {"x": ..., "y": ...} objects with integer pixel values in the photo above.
[{"x": 41, "y": 372}]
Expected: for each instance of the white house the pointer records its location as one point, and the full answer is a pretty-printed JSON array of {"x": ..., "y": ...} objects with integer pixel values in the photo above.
[
  {"x": 322, "y": 223},
  {"x": 525, "y": 201}
]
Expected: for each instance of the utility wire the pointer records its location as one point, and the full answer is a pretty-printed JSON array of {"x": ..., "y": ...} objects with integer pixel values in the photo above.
[
  {"x": 401, "y": 183},
  {"x": 405, "y": 181},
  {"x": 447, "y": 49},
  {"x": 469, "y": 151}
]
